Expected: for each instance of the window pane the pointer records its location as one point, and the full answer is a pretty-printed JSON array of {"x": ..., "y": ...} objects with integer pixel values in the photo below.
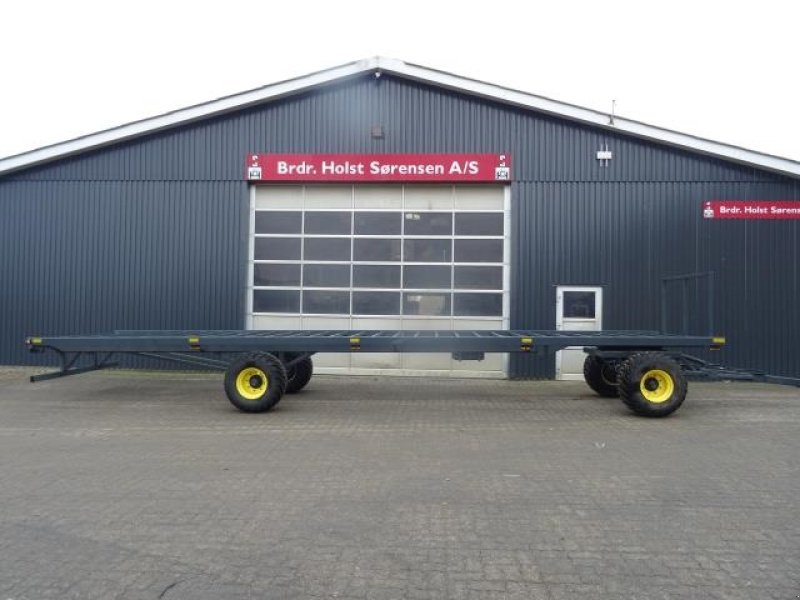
[
  {"x": 479, "y": 278},
  {"x": 479, "y": 197},
  {"x": 287, "y": 301},
  {"x": 337, "y": 303},
  {"x": 376, "y": 276},
  {"x": 428, "y": 250},
  {"x": 328, "y": 223},
  {"x": 326, "y": 275},
  {"x": 429, "y": 223},
  {"x": 277, "y": 249},
  {"x": 376, "y": 303},
  {"x": 426, "y": 277},
  {"x": 276, "y": 274},
  {"x": 326, "y": 249},
  {"x": 388, "y": 250},
  {"x": 378, "y": 223},
  {"x": 479, "y": 251},
  {"x": 435, "y": 196},
  {"x": 377, "y": 196},
  {"x": 278, "y": 221},
  {"x": 579, "y": 305},
  {"x": 426, "y": 304},
  {"x": 478, "y": 305},
  {"x": 479, "y": 224}
]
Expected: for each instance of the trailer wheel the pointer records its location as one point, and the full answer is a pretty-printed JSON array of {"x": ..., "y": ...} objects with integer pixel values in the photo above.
[
  {"x": 255, "y": 382},
  {"x": 601, "y": 376},
  {"x": 652, "y": 384},
  {"x": 298, "y": 375}
]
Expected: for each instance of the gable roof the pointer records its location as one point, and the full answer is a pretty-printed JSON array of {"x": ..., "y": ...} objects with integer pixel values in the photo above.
[{"x": 418, "y": 73}]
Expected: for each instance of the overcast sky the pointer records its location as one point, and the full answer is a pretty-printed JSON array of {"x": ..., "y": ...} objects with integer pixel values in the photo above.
[{"x": 727, "y": 71}]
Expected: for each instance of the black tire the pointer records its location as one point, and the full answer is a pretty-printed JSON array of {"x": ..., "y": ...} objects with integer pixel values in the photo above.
[
  {"x": 651, "y": 384},
  {"x": 255, "y": 382},
  {"x": 601, "y": 376},
  {"x": 298, "y": 375}
]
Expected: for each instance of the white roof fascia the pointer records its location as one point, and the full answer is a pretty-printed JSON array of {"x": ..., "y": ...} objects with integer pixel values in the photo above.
[
  {"x": 597, "y": 118},
  {"x": 182, "y": 116},
  {"x": 415, "y": 72}
]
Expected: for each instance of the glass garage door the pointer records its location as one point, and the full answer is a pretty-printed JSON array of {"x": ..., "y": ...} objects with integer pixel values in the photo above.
[{"x": 381, "y": 257}]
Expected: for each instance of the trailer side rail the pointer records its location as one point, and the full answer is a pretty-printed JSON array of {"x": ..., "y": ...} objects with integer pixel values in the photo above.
[
  {"x": 501, "y": 341},
  {"x": 648, "y": 370}
]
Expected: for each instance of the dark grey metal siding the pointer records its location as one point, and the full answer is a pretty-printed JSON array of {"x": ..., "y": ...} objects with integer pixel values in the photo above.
[
  {"x": 626, "y": 236},
  {"x": 152, "y": 232},
  {"x": 95, "y": 256}
]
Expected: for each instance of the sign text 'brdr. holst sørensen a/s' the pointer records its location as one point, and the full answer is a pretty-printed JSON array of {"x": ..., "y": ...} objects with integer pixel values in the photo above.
[
  {"x": 379, "y": 167},
  {"x": 751, "y": 209}
]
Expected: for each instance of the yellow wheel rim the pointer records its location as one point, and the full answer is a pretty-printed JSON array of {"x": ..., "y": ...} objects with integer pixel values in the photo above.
[
  {"x": 251, "y": 383},
  {"x": 657, "y": 386}
]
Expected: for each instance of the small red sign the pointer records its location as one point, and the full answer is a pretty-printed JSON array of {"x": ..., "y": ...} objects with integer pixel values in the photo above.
[
  {"x": 379, "y": 167},
  {"x": 751, "y": 209}
]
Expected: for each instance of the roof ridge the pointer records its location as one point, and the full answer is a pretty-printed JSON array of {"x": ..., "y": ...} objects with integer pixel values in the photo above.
[{"x": 380, "y": 64}]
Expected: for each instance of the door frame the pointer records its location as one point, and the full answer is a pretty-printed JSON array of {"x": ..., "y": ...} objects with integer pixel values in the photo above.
[{"x": 598, "y": 311}]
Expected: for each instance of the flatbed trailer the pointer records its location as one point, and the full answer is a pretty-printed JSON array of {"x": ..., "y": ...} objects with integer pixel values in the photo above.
[{"x": 646, "y": 369}]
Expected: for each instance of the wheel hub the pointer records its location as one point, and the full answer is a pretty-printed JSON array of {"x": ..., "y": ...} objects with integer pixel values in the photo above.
[
  {"x": 251, "y": 383},
  {"x": 657, "y": 386}
]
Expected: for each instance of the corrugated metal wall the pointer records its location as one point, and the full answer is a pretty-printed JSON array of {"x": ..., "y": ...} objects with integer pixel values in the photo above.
[
  {"x": 152, "y": 233},
  {"x": 95, "y": 256}
]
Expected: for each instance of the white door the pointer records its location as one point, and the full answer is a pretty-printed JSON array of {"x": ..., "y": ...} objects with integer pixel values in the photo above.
[{"x": 578, "y": 308}]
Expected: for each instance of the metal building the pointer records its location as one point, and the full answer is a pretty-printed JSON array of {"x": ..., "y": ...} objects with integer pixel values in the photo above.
[{"x": 583, "y": 222}]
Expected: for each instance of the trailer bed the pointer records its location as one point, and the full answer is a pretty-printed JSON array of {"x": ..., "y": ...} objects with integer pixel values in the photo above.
[
  {"x": 134, "y": 341},
  {"x": 642, "y": 367}
]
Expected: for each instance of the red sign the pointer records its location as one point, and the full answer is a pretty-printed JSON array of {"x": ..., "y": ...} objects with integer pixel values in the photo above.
[
  {"x": 379, "y": 167},
  {"x": 751, "y": 209}
]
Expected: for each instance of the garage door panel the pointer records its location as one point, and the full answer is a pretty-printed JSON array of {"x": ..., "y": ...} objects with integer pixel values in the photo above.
[
  {"x": 376, "y": 276},
  {"x": 411, "y": 324},
  {"x": 326, "y": 302},
  {"x": 277, "y": 248},
  {"x": 376, "y": 303},
  {"x": 376, "y": 250},
  {"x": 428, "y": 197},
  {"x": 382, "y": 360},
  {"x": 326, "y": 275},
  {"x": 328, "y": 196},
  {"x": 413, "y": 257},
  {"x": 490, "y": 362},
  {"x": 279, "y": 221},
  {"x": 279, "y": 196},
  {"x": 331, "y": 361},
  {"x": 276, "y": 301},
  {"x": 378, "y": 196},
  {"x": 378, "y": 223},
  {"x": 480, "y": 324},
  {"x": 479, "y": 197},
  {"x": 280, "y": 274},
  {"x": 328, "y": 222},
  {"x": 427, "y": 361},
  {"x": 277, "y": 322}
]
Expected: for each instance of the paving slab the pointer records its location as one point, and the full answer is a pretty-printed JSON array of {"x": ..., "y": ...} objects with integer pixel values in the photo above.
[{"x": 150, "y": 485}]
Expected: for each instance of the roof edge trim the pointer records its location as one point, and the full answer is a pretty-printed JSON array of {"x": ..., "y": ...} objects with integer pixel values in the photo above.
[{"x": 411, "y": 71}]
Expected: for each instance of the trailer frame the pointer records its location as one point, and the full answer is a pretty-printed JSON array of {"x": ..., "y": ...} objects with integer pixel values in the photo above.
[{"x": 647, "y": 369}]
